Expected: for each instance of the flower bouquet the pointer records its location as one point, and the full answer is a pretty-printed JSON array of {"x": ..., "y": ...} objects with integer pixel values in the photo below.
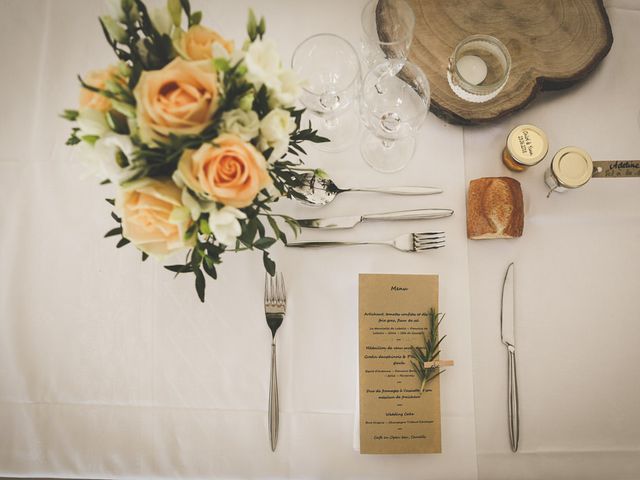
[{"x": 199, "y": 137}]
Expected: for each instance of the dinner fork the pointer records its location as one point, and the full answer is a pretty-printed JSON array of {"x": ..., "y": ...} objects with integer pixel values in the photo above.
[
  {"x": 275, "y": 306},
  {"x": 409, "y": 242}
]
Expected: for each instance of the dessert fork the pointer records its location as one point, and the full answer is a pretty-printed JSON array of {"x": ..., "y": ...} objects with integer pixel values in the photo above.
[
  {"x": 409, "y": 242},
  {"x": 275, "y": 306}
]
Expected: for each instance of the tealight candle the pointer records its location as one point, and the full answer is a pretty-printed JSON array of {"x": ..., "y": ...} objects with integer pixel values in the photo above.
[{"x": 472, "y": 68}]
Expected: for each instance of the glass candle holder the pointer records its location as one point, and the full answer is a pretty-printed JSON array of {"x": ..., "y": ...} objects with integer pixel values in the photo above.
[{"x": 479, "y": 68}]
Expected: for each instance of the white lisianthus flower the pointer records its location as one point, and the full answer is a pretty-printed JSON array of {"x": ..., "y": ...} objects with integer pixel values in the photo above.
[
  {"x": 92, "y": 122},
  {"x": 114, "y": 153},
  {"x": 275, "y": 129},
  {"x": 161, "y": 20},
  {"x": 245, "y": 124},
  {"x": 290, "y": 88},
  {"x": 263, "y": 64},
  {"x": 225, "y": 225}
]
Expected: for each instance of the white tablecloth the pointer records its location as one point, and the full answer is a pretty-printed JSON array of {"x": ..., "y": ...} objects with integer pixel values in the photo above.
[{"x": 111, "y": 368}]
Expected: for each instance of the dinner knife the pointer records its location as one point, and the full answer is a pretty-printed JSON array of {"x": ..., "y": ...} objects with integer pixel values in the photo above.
[
  {"x": 507, "y": 336},
  {"x": 353, "y": 220}
]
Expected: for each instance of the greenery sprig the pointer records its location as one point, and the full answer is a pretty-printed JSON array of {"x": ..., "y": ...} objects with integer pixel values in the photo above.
[{"x": 429, "y": 352}]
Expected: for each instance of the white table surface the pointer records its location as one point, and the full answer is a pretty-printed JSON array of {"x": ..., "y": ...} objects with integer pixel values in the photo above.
[{"x": 111, "y": 368}]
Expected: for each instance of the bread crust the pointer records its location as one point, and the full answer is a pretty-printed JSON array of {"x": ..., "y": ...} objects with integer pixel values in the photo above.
[{"x": 495, "y": 208}]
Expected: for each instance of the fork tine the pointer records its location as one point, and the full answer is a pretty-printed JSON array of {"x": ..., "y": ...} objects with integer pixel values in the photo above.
[
  {"x": 266, "y": 288},
  {"x": 282, "y": 292},
  {"x": 426, "y": 235},
  {"x": 420, "y": 248}
]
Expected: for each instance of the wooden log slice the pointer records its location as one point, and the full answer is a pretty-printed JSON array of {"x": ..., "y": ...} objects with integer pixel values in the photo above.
[{"x": 552, "y": 43}]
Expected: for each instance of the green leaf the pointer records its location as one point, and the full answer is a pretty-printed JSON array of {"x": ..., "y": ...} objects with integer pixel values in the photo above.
[
  {"x": 264, "y": 243},
  {"x": 71, "y": 115},
  {"x": 200, "y": 284},
  {"x": 110, "y": 201},
  {"x": 204, "y": 227},
  {"x": 222, "y": 64},
  {"x": 178, "y": 268},
  {"x": 195, "y": 18},
  {"x": 186, "y": 6},
  {"x": 196, "y": 258},
  {"x": 209, "y": 268},
  {"x": 123, "y": 241},
  {"x": 117, "y": 122},
  {"x": 116, "y": 217},
  {"x": 72, "y": 140},
  {"x": 113, "y": 232},
  {"x": 144, "y": 256},
  {"x": 269, "y": 265},
  {"x": 276, "y": 229},
  {"x": 90, "y": 139},
  {"x": 249, "y": 232}
]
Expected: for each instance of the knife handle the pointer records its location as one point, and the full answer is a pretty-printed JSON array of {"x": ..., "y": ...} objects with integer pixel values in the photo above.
[
  {"x": 512, "y": 399},
  {"x": 400, "y": 190},
  {"x": 419, "y": 214}
]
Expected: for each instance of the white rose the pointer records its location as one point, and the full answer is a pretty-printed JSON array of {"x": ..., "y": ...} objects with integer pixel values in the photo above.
[
  {"x": 114, "y": 153},
  {"x": 290, "y": 88},
  {"x": 225, "y": 225},
  {"x": 263, "y": 64},
  {"x": 92, "y": 122},
  {"x": 275, "y": 129},
  {"x": 245, "y": 124}
]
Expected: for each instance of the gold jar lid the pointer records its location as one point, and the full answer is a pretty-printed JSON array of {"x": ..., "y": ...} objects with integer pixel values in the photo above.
[
  {"x": 527, "y": 144},
  {"x": 572, "y": 166}
]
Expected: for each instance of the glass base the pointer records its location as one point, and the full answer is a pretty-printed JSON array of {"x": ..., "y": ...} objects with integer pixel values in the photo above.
[
  {"x": 387, "y": 156},
  {"x": 342, "y": 131}
]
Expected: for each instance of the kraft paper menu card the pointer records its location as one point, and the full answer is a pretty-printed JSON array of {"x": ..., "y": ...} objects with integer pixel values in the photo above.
[{"x": 395, "y": 417}]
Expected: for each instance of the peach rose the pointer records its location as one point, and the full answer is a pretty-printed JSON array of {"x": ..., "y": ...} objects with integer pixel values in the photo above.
[
  {"x": 197, "y": 43},
  {"x": 180, "y": 99},
  {"x": 229, "y": 171},
  {"x": 98, "y": 79},
  {"x": 153, "y": 216}
]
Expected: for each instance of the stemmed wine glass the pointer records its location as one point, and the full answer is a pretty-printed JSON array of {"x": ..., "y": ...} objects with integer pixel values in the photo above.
[
  {"x": 330, "y": 68},
  {"x": 387, "y": 30},
  {"x": 393, "y": 105}
]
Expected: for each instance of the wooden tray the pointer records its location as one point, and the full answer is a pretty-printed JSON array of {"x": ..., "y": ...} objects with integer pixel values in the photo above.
[{"x": 552, "y": 43}]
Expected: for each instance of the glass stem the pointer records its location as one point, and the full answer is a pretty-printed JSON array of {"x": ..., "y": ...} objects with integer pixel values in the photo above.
[
  {"x": 331, "y": 123},
  {"x": 388, "y": 144}
]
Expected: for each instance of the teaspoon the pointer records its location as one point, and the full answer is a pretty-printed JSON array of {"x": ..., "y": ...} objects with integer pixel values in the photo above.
[{"x": 319, "y": 191}]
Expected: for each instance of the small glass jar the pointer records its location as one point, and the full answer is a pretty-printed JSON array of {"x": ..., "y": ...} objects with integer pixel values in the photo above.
[
  {"x": 526, "y": 146},
  {"x": 571, "y": 167},
  {"x": 479, "y": 68}
]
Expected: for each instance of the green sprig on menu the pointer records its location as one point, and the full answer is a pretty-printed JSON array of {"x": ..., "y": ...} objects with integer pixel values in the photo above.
[{"x": 430, "y": 351}]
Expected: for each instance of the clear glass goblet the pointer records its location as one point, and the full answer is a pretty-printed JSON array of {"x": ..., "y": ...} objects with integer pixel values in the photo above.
[
  {"x": 330, "y": 69},
  {"x": 393, "y": 105},
  {"x": 387, "y": 30}
]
